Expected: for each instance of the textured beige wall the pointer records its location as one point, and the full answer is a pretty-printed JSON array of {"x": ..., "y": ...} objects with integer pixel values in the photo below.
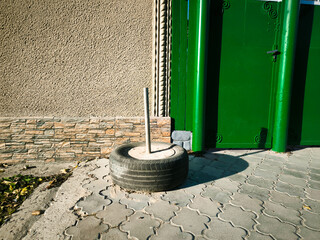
[{"x": 74, "y": 57}]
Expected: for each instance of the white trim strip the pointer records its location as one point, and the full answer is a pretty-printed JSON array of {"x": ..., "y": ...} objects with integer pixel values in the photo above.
[{"x": 315, "y": 2}]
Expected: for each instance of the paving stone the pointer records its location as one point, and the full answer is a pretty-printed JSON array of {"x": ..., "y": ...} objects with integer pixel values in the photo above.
[
  {"x": 293, "y": 180},
  {"x": 97, "y": 186},
  {"x": 216, "y": 194},
  {"x": 290, "y": 189},
  {"x": 271, "y": 162},
  {"x": 276, "y": 157},
  {"x": 241, "y": 166},
  {"x": 220, "y": 230},
  {"x": 190, "y": 221},
  {"x": 87, "y": 229},
  {"x": 281, "y": 212},
  {"x": 161, "y": 209},
  {"x": 237, "y": 152},
  {"x": 114, "y": 214},
  {"x": 200, "y": 238},
  {"x": 114, "y": 234},
  {"x": 194, "y": 165},
  {"x": 192, "y": 187},
  {"x": 238, "y": 217},
  {"x": 255, "y": 192},
  {"x": 279, "y": 230},
  {"x": 213, "y": 172},
  {"x": 238, "y": 178},
  {"x": 313, "y": 194},
  {"x": 260, "y": 182},
  {"x": 203, "y": 162},
  {"x": 108, "y": 179},
  {"x": 247, "y": 203},
  {"x": 315, "y": 205},
  {"x": 314, "y": 184},
  {"x": 286, "y": 200},
  {"x": 201, "y": 177},
  {"x": 270, "y": 168},
  {"x": 140, "y": 225},
  {"x": 102, "y": 162},
  {"x": 258, "y": 236},
  {"x": 265, "y": 174},
  {"x": 252, "y": 158},
  {"x": 220, "y": 165},
  {"x": 315, "y": 170},
  {"x": 135, "y": 201},
  {"x": 297, "y": 167},
  {"x": 167, "y": 231},
  {"x": 314, "y": 163},
  {"x": 296, "y": 174},
  {"x": 115, "y": 193},
  {"x": 101, "y": 172},
  {"x": 314, "y": 177},
  {"x": 309, "y": 234},
  {"x": 92, "y": 204},
  {"x": 248, "y": 171},
  {"x": 179, "y": 198},
  {"x": 226, "y": 184},
  {"x": 205, "y": 206},
  {"x": 211, "y": 155},
  {"x": 312, "y": 220}
]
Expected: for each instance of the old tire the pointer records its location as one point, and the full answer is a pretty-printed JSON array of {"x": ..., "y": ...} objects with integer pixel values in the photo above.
[{"x": 150, "y": 175}]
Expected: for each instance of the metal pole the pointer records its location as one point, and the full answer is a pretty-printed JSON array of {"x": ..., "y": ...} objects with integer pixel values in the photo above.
[
  {"x": 283, "y": 97},
  {"x": 200, "y": 76},
  {"x": 147, "y": 120}
]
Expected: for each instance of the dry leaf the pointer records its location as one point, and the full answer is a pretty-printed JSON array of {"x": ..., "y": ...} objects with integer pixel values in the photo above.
[
  {"x": 65, "y": 170},
  {"x": 306, "y": 207},
  {"x": 24, "y": 191},
  {"x": 36, "y": 213}
]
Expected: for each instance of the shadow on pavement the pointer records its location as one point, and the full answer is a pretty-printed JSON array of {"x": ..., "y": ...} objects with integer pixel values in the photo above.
[{"x": 211, "y": 167}]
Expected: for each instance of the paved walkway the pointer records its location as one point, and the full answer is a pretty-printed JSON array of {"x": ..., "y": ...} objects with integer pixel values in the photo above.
[{"x": 229, "y": 194}]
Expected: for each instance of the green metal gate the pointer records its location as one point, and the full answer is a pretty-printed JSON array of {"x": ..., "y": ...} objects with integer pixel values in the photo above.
[
  {"x": 304, "y": 127},
  {"x": 242, "y": 71}
]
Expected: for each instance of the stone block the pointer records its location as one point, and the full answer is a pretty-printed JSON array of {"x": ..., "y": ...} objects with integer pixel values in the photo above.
[
  {"x": 179, "y": 143},
  {"x": 181, "y": 135},
  {"x": 187, "y": 145},
  {"x": 34, "y": 132}
]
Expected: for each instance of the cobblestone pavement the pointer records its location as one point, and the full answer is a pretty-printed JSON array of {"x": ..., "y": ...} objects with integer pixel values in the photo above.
[{"x": 229, "y": 194}]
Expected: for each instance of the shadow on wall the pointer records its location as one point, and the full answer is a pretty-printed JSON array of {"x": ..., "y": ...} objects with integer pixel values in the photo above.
[{"x": 213, "y": 166}]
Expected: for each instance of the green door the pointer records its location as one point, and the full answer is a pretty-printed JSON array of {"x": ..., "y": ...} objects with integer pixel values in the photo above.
[
  {"x": 304, "y": 127},
  {"x": 242, "y": 76},
  {"x": 240, "y": 82}
]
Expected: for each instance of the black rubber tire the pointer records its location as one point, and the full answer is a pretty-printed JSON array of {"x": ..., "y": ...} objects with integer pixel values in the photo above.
[{"x": 148, "y": 175}]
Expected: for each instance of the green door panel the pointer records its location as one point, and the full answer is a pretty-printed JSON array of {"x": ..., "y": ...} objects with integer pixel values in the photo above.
[
  {"x": 242, "y": 77},
  {"x": 179, "y": 63},
  {"x": 240, "y": 74},
  {"x": 304, "y": 128}
]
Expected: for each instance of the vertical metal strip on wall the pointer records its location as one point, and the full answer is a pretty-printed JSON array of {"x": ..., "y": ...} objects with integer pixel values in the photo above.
[{"x": 162, "y": 55}]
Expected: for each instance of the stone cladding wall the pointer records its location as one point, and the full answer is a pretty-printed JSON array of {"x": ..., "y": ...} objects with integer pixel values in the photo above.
[{"x": 72, "y": 139}]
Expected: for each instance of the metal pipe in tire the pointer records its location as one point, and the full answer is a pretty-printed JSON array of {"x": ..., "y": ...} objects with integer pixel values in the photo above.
[{"x": 147, "y": 120}]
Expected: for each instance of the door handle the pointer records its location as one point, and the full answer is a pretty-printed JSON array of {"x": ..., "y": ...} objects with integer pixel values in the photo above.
[{"x": 274, "y": 54}]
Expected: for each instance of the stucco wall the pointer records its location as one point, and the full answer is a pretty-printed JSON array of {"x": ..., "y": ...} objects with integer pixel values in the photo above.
[{"x": 74, "y": 58}]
